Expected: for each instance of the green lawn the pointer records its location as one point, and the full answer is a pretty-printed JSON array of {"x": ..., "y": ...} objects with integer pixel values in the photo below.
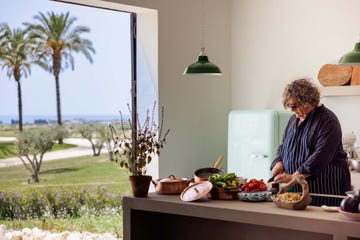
[
  {"x": 7, "y": 130},
  {"x": 11, "y": 130},
  {"x": 65, "y": 174},
  {"x": 7, "y": 149},
  {"x": 84, "y": 171}
]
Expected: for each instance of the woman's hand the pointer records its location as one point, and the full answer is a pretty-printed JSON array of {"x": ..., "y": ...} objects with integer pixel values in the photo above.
[
  {"x": 278, "y": 168},
  {"x": 283, "y": 178}
]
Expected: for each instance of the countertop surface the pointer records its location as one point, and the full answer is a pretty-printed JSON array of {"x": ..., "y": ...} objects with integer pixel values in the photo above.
[
  {"x": 312, "y": 219},
  {"x": 267, "y": 207}
]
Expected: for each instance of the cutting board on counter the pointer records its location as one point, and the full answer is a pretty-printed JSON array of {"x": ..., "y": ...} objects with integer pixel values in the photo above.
[
  {"x": 355, "y": 76},
  {"x": 335, "y": 75}
]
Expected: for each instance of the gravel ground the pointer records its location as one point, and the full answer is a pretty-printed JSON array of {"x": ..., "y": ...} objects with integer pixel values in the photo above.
[{"x": 38, "y": 234}]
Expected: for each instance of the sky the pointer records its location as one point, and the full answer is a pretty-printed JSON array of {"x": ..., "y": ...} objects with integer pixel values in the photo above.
[{"x": 100, "y": 88}]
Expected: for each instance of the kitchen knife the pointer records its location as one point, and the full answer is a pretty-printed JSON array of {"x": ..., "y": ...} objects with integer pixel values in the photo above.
[{"x": 271, "y": 179}]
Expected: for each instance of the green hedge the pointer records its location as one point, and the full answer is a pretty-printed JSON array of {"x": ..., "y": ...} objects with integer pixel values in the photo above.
[{"x": 58, "y": 203}]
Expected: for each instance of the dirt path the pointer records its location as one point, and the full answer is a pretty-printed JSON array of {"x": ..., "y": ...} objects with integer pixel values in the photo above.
[{"x": 83, "y": 148}]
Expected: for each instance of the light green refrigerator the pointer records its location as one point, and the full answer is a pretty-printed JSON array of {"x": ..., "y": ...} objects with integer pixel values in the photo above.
[{"x": 253, "y": 139}]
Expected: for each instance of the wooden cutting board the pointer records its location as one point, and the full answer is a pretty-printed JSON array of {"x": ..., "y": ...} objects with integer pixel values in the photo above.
[
  {"x": 334, "y": 75},
  {"x": 355, "y": 76}
]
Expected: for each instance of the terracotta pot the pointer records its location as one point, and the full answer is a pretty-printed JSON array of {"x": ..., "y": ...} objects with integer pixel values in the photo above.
[
  {"x": 140, "y": 185},
  {"x": 170, "y": 185}
]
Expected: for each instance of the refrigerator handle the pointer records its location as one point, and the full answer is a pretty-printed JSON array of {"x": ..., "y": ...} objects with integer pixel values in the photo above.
[{"x": 258, "y": 155}]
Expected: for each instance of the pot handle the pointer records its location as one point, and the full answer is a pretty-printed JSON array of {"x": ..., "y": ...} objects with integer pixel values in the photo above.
[
  {"x": 298, "y": 179},
  {"x": 190, "y": 181},
  {"x": 218, "y": 161},
  {"x": 154, "y": 182}
]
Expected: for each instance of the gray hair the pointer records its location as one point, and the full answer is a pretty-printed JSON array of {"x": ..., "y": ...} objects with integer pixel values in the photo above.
[{"x": 303, "y": 90}]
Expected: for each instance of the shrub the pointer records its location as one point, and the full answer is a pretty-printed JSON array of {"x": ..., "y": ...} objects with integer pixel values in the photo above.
[{"x": 58, "y": 204}]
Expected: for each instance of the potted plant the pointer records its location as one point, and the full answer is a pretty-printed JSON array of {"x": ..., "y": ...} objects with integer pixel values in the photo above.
[{"x": 135, "y": 152}]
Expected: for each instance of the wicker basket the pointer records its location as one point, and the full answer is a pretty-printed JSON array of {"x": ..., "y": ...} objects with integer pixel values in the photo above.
[{"x": 295, "y": 205}]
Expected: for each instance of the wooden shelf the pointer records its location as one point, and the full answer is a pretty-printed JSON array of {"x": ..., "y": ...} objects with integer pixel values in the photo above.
[{"x": 338, "y": 91}]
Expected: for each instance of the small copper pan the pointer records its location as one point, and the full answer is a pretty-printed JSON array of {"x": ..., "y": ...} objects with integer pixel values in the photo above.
[{"x": 203, "y": 174}]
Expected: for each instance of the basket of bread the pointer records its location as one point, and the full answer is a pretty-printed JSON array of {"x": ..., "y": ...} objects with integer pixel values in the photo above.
[{"x": 293, "y": 200}]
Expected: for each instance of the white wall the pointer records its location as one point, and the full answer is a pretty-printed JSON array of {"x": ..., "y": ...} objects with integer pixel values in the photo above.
[
  {"x": 196, "y": 107},
  {"x": 260, "y": 45},
  {"x": 277, "y": 41}
]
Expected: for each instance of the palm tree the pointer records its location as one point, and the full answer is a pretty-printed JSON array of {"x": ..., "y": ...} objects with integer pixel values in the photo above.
[
  {"x": 16, "y": 49},
  {"x": 3, "y": 38},
  {"x": 57, "y": 40}
]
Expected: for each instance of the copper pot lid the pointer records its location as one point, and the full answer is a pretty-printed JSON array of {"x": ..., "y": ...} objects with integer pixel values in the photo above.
[
  {"x": 172, "y": 178},
  {"x": 196, "y": 191}
]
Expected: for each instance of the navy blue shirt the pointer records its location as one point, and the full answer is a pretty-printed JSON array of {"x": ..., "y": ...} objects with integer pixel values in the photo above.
[{"x": 315, "y": 147}]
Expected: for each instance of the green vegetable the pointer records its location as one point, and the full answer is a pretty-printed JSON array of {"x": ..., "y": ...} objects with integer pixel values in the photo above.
[
  {"x": 221, "y": 184},
  {"x": 227, "y": 180}
]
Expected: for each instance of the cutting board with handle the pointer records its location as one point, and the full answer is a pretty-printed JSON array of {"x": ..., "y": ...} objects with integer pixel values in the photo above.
[
  {"x": 355, "y": 76},
  {"x": 334, "y": 75}
]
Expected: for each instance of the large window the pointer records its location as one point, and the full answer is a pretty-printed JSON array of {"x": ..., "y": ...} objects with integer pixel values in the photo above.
[
  {"x": 92, "y": 91},
  {"x": 125, "y": 40}
]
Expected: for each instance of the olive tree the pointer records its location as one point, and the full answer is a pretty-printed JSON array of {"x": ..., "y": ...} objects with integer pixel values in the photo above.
[
  {"x": 31, "y": 146},
  {"x": 108, "y": 142},
  {"x": 96, "y": 134}
]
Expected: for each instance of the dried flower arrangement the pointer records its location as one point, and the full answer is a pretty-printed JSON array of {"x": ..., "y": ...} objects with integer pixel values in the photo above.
[{"x": 149, "y": 140}]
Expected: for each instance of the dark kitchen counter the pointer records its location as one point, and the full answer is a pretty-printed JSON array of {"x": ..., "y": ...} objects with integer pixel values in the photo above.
[{"x": 168, "y": 217}]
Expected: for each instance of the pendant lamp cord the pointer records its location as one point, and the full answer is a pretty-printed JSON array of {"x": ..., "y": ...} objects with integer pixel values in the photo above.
[{"x": 203, "y": 27}]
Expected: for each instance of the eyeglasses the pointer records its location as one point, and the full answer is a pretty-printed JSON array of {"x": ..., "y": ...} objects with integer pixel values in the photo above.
[{"x": 292, "y": 106}]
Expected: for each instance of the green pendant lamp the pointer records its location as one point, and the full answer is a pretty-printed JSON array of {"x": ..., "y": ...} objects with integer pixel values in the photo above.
[
  {"x": 202, "y": 64},
  {"x": 351, "y": 58}
]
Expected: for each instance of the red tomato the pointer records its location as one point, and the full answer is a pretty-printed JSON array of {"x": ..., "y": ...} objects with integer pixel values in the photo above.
[
  {"x": 254, "y": 185},
  {"x": 262, "y": 186}
]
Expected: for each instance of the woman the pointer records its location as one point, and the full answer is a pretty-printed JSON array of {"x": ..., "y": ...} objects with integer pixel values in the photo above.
[{"x": 312, "y": 145}]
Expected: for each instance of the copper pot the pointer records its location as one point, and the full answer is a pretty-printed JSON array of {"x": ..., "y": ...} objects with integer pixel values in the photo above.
[{"x": 170, "y": 185}]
